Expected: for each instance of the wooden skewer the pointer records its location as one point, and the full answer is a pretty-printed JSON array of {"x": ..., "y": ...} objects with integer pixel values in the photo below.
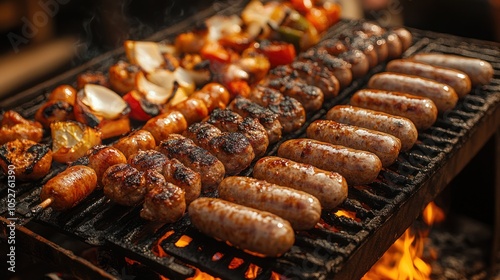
[{"x": 44, "y": 204}]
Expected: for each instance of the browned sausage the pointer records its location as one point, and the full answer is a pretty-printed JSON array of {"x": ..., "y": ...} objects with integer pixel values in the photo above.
[
  {"x": 124, "y": 184},
  {"x": 420, "y": 110},
  {"x": 122, "y": 76},
  {"x": 164, "y": 124},
  {"x": 101, "y": 157},
  {"x": 148, "y": 160},
  {"x": 193, "y": 109},
  {"x": 479, "y": 71},
  {"x": 401, "y": 127},
  {"x": 135, "y": 142},
  {"x": 27, "y": 159},
  {"x": 394, "y": 45},
  {"x": 330, "y": 188},
  {"x": 301, "y": 209},
  {"x": 384, "y": 145},
  {"x": 458, "y": 80},
  {"x": 164, "y": 203},
  {"x": 358, "y": 60},
  {"x": 196, "y": 158},
  {"x": 185, "y": 178},
  {"x": 357, "y": 167},
  {"x": 69, "y": 187},
  {"x": 443, "y": 95},
  {"x": 405, "y": 37},
  {"x": 214, "y": 95},
  {"x": 244, "y": 227}
]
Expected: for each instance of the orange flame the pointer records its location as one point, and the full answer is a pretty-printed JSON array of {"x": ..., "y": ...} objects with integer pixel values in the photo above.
[
  {"x": 157, "y": 249},
  {"x": 403, "y": 260},
  {"x": 252, "y": 271},
  {"x": 132, "y": 262}
]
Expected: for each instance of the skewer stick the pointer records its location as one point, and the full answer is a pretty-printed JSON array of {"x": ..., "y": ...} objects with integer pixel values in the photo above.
[{"x": 44, "y": 204}]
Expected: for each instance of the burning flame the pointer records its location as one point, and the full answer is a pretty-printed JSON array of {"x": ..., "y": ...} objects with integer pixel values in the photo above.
[
  {"x": 157, "y": 249},
  {"x": 404, "y": 260}
]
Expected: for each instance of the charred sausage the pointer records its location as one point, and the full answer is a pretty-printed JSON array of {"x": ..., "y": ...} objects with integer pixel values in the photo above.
[
  {"x": 244, "y": 227},
  {"x": 301, "y": 209},
  {"x": 458, "y": 80},
  {"x": 479, "y": 71},
  {"x": 30, "y": 160},
  {"x": 164, "y": 203},
  {"x": 443, "y": 95},
  {"x": 330, "y": 188},
  {"x": 400, "y": 127},
  {"x": 357, "y": 167},
  {"x": 69, "y": 187},
  {"x": 196, "y": 158},
  {"x": 384, "y": 145},
  {"x": 124, "y": 184},
  {"x": 185, "y": 178},
  {"x": 420, "y": 110}
]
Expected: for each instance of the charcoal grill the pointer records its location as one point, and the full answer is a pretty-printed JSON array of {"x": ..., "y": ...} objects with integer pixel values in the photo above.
[{"x": 339, "y": 247}]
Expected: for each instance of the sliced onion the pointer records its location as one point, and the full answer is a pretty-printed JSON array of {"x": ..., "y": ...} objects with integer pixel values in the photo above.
[
  {"x": 221, "y": 26},
  {"x": 103, "y": 101},
  {"x": 145, "y": 54},
  {"x": 183, "y": 77},
  {"x": 168, "y": 48},
  {"x": 234, "y": 72},
  {"x": 157, "y": 87}
]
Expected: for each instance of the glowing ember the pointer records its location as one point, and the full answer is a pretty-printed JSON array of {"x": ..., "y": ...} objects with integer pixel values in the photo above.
[
  {"x": 252, "y": 271},
  {"x": 132, "y": 262},
  {"x": 157, "y": 249},
  {"x": 235, "y": 263},
  {"x": 183, "y": 241},
  {"x": 200, "y": 275},
  {"x": 348, "y": 214},
  {"x": 404, "y": 260}
]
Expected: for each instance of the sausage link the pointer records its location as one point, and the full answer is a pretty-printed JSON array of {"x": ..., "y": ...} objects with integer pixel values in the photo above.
[
  {"x": 124, "y": 184},
  {"x": 357, "y": 167},
  {"x": 330, "y": 188},
  {"x": 164, "y": 124},
  {"x": 400, "y": 127},
  {"x": 420, "y": 110},
  {"x": 244, "y": 227},
  {"x": 101, "y": 157},
  {"x": 196, "y": 158},
  {"x": 443, "y": 95},
  {"x": 301, "y": 209},
  {"x": 458, "y": 80},
  {"x": 479, "y": 71},
  {"x": 184, "y": 177},
  {"x": 134, "y": 142},
  {"x": 384, "y": 145},
  {"x": 69, "y": 187}
]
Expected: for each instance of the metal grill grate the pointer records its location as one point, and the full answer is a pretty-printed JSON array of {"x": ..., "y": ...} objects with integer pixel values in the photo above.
[{"x": 338, "y": 245}]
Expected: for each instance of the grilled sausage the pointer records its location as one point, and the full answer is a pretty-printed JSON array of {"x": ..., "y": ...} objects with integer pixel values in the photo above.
[
  {"x": 185, "y": 178},
  {"x": 229, "y": 121},
  {"x": 360, "y": 41},
  {"x": 400, "y": 127},
  {"x": 64, "y": 93},
  {"x": 135, "y": 142},
  {"x": 53, "y": 111},
  {"x": 124, "y": 184},
  {"x": 246, "y": 108},
  {"x": 291, "y": 114},
  {"x": 69, "y": 187},
  {"x": 193, "y": 109},
  {"x": 384, "y": 145},
  {"x": 339, "y": 67},
  {"x": 91, "y": 77},
  {"x": 101, "y": 157},
  {"x": 479, "y": 71},
  {"x": 244, "y": 227},
  {"x": 214, "y": 95},
  {"x": 330, "y": 188},
  {"x": 404, "y": 36},
  {"x": 333, "y": 46},
  {"x": 458, "y": 80},
  {"x": 358, "y": 61},
  {"x": 301, "y": 209},
  {"x": 310, "y": 73},
  {"x": 381, "y": 47},
  {"x": 420, "y": 110},
  {"x": 357, "y": 167},
  {"x": 148, "y": 160},
  {"x": 14, "y": 126},
  {"x": 311, "y": 97},
  {"x": 443, "y": 95},
  {"x": 31, "y": 160},
  {"x": 394, "y": 45},
  {"x": 164, "y": 124},
  {"x": 196, "y": 158},
  {"x": 122, "y": 76},
  {"x": 232, "y": 148},
  {"x": 164, "y": 203}
]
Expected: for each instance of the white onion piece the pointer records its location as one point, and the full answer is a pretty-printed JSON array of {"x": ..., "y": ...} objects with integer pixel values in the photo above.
[
  {"x": 168, "y": 48},
  {"x": 145, "y": 54},
  {"x": 103, "y": 101},
  {"x": 184, "y": 79},
  {"x": 234, "y": 72},
  {"x": 221, "y": 26},
  {"x": 158, "y": 88},
  {"x": 199, "y": 77}
]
